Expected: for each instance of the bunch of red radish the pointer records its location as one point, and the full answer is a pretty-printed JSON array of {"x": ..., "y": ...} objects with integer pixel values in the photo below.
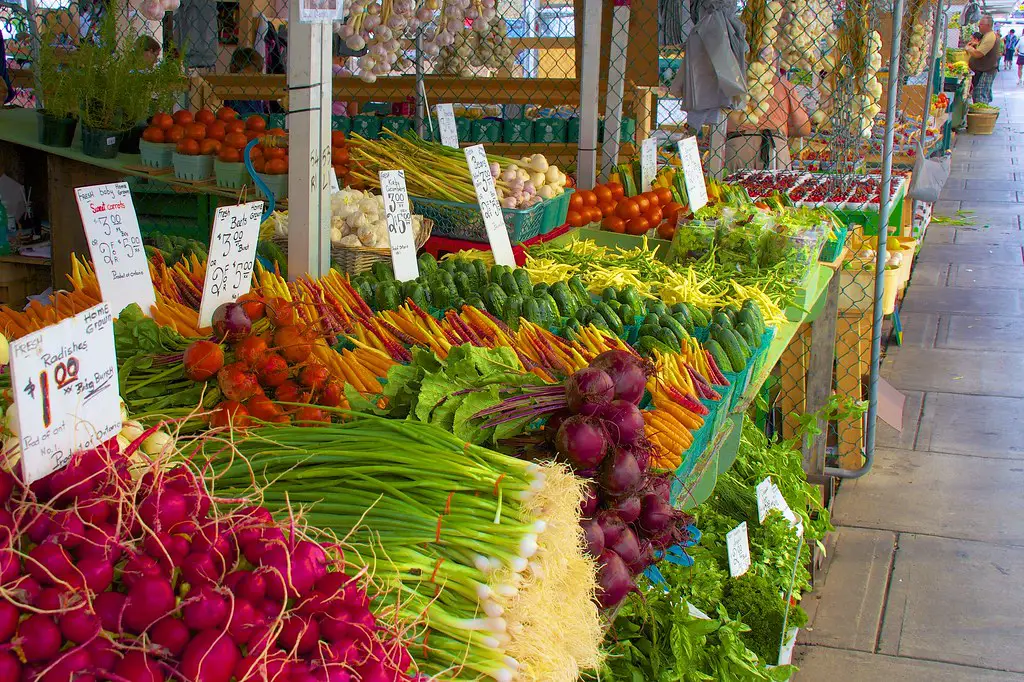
[
  {"x": 596, "y": 426},
  {"x": 250, "y": 367},
  {"x": 106, "y": 577}
]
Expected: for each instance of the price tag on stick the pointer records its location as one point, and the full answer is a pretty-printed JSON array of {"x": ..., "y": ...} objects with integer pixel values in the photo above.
[
  {"x": 738, "y": 546},
  {"x": 115, "y": 244},
  {"x": 236, "y": 229},
  {"x": 399, "y": 219},
  {"x": 648, "y": 163},
  {"x": 769, "y": 497},
  {"x": 490, "y": 207},
  {"x": 447, "y": 130},
  {"x": 64, "y": 379},
  {"x": 693, "y": 174}
]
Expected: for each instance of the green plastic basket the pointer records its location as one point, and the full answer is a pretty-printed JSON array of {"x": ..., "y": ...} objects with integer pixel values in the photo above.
[
  {"x": 463, "y": 128},
  {"x": 342, "y": 123},
  {"x": 701, "y": 440},
  {"x": 399, "y": 125},
  {"x": 739, "y": 382},
  {"x": 550, "y": 130},
  {"x": 277, "y": 121},
  {"x": 833, "y": 247},
  {"x": 627, "y": 129},
  {"x": 278, "y": 184},
  {"x": 464, "y": 221},
  {"x": 555, "y": 211},
  {"x": 486, "y": 130},
  {"x": 760, "y": 355},
  {"x": 366, "y": 126},
  {"x": 231, "y": 175},
  {"x": 518, "y": 131},
  {"x": 156, "y": 154},
  {"x": 572, "y": 130},
  {"x": 198, "y": 167}
]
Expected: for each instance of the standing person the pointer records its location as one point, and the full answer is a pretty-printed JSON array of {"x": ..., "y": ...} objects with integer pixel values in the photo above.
[
  {"x": 1020, "y": 62},
  {"x": 1011, "y": 46},
  {"x": 984, "y": 61}
]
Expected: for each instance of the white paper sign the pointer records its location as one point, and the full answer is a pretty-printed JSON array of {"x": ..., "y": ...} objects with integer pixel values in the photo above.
[
  {"x": 335, "y": 187},
  {"x": 399, "y": 219},
  {"x": 447, "y": 130},
  {"x": 769, "y": 497},
  {"x": 738, "y": 545},
  {"x": 236, "y": 229},
  {"x": 693, "y": 173},
  {"x": 648, "y": 163},
  {"x": 490, "y": 207},
  {"x": 64, "y": 379},
  {"x": 115, "y": 243},
  {"x": 321, "y": 11}
]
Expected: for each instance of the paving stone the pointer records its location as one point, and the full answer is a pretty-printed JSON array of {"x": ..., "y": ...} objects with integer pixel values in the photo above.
[
  {"x": 981, "y": 235},
  {"x": 956, "y": 601},
  {"x": 940, "y": 234},
  {"x": 946, "y": 207},
  {"x": 980, "y": 425},
  {"x": 929, "y": 274},
  {"x": 851, "y": 590},
  {"x": 988, "y": 333},
  {"x": 972, "y": 498},
  {"x": 946, "y": 299},
  {"x": 1008, "y": 196},
  {"x": 989, "y": 216},
  {"x": 955, "y": 371},
  {"x": 972, "y": 253},
  {"x": 889, "y": 437},
  {"x": 919, "y": 329},
  {"x": 987, "y": 276},
  {"x": 818, "y": 663},
  {"x": 987, "y": 184},
  {"x": 958, "y": 183}
]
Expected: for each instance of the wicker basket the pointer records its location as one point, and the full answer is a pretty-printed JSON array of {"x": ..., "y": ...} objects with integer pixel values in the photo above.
[
  {"x": 981, "y": 123},
  {"x": 353, "y": 260}
]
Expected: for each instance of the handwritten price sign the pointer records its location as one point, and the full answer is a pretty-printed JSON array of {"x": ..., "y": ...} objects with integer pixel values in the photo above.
[
  {"x": 232, "y": 254},
  {"x": 693, "y": 173},
  {"x": 769, "y": 497},
  {"x": 112, "y": 229},
  {"x": 64, "y": 379},
  {"x": 738, "y": 546},
  {"x": 490, "y": 207},
  {"x": 447, "y": 130},
  {"x": 399, "y": 220},
  {"x": 648, "y": 163}
]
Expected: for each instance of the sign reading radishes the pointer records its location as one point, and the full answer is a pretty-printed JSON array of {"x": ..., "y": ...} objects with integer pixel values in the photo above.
[
  {"x": 490, "y": 207},
  {"x": 236, "y": 230},
  {"x": 115, "y": 244},
  {"x": 693, "y": 173},
  {"x": 64, "y": 379}
]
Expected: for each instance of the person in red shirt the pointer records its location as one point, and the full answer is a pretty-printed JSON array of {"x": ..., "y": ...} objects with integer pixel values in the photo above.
[{"x": 754, "y": 146}]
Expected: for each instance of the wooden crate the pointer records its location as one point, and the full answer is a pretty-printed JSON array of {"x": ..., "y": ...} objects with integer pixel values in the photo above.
[{"x": 21, "y": 277}]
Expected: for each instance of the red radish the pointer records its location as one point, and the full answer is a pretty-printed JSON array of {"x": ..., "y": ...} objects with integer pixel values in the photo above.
[
  {"x": 172, "y": 634},
  {"x": 53, "y": 599},
  {"x": 101, "y": 542},
  {"x": 244, "y": 621},
  {"x": 79, "y": 625},
  {"x": 252, "y": 587},
  {"x": 95, "y": 511},
  {"x": 140, "y": 566},
  {"x": 139, "y": 667},
  {"x": 594, "y": 537},
  {"x": 202, "y": 360},
  {"x": 49, "y": 564},
  {"x": 6, "y": 486},
  {"x": 38, "y": 528},
  {"x": 205, "y": 608},
  {"x": 9, "y": 616},
  {"x": 163, "y": 508},
  {"x": 231, "y": 322},
  {"x": 110, "y": 607},
  {"x": 149, "y": 600},
  {"x": 624, "y": 421},
  {"x": 27, "y": 590},
  {"x": 211, "y": 656},
  {"x": 97, "y": 574},
  {"x": 613, "y": 578},
  {"x": 588, "y": 390},
  {"x": 10, "y": 566},
  {"x": 200, "y": 568},
  {"x": 73, "y": 664},
  {"x": 583, "y": 441},
  {"x": 10, "y": 666},
  {"x": 627, "y": 371},
  {"x": 69, "y": 531},
  {"x": 300, "y": 634},
  {"x": 39, "y": 637},
  {"x": 272, "y": 370}
]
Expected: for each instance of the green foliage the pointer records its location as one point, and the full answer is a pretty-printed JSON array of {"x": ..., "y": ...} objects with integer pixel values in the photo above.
[
  {"x": 59, "y": 92},
  {"x": 755, "y": 600}
]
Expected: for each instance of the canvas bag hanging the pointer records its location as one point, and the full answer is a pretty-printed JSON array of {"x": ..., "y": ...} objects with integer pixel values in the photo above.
[{"x": 929, "y": 177}]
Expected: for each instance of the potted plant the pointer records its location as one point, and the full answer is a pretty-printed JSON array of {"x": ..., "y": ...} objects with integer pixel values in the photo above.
[
  {"x": 58, "y": 116},
  {"x": 118, "y": 89}
]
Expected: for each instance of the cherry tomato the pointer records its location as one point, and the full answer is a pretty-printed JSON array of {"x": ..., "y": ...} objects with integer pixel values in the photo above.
[
  {"x": 216, "y": 131},
  {"x": 195, "y": 131},
  {"x": 593, "y": 214},
  {"x": 209, "y": 147},
  {"x": 256, "y": 122},
  {"x": 188, "y": 147}
]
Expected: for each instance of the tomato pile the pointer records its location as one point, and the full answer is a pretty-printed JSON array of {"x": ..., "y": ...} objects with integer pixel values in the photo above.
[
  {"x": 616, "y": 212},
  {"x": 222, "y": 134},
  {"x": 339, "y": 156},
  {"x": 250, "y": 367}
]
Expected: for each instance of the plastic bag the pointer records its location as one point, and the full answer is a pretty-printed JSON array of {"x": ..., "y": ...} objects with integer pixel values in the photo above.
[
  {"x": 929, "y": 177},
  {"x": 971, "y": 14}
]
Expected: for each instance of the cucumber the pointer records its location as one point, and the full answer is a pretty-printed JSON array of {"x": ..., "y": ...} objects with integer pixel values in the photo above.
[
  {"x": 508, "y": 284},
  {"x": 427, "y": 263},
  {"x": 539, "y": 288},
  {"x": 678, "y": 330},
  {"x": 657, "y": 307},
  {"x": 666, "y": 336},
  {"x": 721, "y": 319},
  {"x": 580, "y": 291},
  {"x": 522, "y": 278},
  {"x": 679, "y": 308},
  {"x": 609, "y": 294},
  {"x": 475, "y": 300},
  {"x": 532, "y": 311},
  {"x": 481, "y": 273},
  {"x": 731, "y": 311},
  {"x": 440, "y": 294},
  {"x": 646, "y": 345},
  {"x": 564, "y": 299},
  {"x": 462, "y": 284},
  {"x": 752, "y": 313},
  {"x": 747, "y": 332},
  {"x": 630, "y": 295},
  {"x": 496, "y": 272},
  {"x": 609, "y": 315},
  {"x": 494, "y": 299},
  {"x": 652, "y": 318},
  {"x": 448, "y": 266},
  {"x": 719, "y": 354},
  {"x": 627, "y": 314},
  {"x": 700, "y": 318},
  {"x": 684, "y": 319},
  {"x": 648, "y": 329},
  {"x": 550, "y": 309},
  {"x": 365, "y": 291},
  {"x": 572, "y": 329},
  {"x": 512, "y": 311},
  {"x": 730, "y": 344}
]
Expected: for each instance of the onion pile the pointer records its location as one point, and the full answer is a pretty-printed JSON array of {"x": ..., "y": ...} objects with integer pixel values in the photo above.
[
  {"x": 108, "y": 577},
  {"x": 762, "y": 20}
]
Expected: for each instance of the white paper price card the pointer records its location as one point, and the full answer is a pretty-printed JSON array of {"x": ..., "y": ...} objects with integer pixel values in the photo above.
[
  {"x": 490, "y": 207},
  {"x": 64, "y": 379},
  {"x": 399, "y": 220},
  {"x": 112, "y": 229},
  {"x": 693, "y": 173},
  {"x": 769, "y": 497},
  {"x": 738, "y": 546},
  {"x": 334, "y": 181},
  {"x": 447, "y": 130},
  {"x": 648, "y": 162},
  {"x": 236, "y": 230}
]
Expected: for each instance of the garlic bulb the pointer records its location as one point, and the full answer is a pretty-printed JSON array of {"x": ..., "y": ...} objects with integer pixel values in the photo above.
[{"x": 916, "y": 57}]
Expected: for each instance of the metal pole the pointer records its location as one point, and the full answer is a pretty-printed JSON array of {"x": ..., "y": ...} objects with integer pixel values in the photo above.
[
  {"x": 936, "y": 27},
  {"x": 586, "y": 165},
  {"x": 420, "y": 89},
  {"x": 885, "y": 208},
  {"x": 613, "y": 90}
]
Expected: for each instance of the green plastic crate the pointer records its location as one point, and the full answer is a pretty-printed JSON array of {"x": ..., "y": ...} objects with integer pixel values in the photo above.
[
  {"x": 486, "y": 130},
  {"x": 399, "y": 125},
  {"x": 550, "y": 130},
  {"x": 463, "y": 221},
  {"x": 277, "y": 121},
  {"x": 160, "y": 207},
  {"x": 366, "y": 126},
  {"x": 833, "y": 247},
  {"x": 627, "y": 130},
  {"x": 342, "y": 123},
  {"x": 572, "y": 130},
  {"x": 463, "y": 128},
  {"x": 555, "y": 211},
  {"x": 517, "y": 131}
]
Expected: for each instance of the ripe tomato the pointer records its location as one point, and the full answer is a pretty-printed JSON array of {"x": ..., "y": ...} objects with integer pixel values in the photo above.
[
  {"x": 607, "y": 208},
  {"x": 653, "y": 198},
  {"x": 209, "y": 147},
  {"x": 270, "y": 153},
  {"x": 575, "y": 219},
  {"x": 604, "y": 195},
  {"x": 229, "y": 154},
  {"x": 339, "y": 154},
  {"x": 337, "y": 138},
  {"x": 593, "y": 214},
  {"x": 643, "y": 202},
  {"x": 279, "y": 132},
  {"x": 653, "y": 216},
  {"x": 162, "y": 121},
  {"x": 628, "y": 209},
  {"x": 188, "y": 146},
  {"x": 216, "y": 131},
  {"x": 589, "y": 198},
  {"x": 637, "y": 226},
  {"x": 205, "y": 116},
  {"x": 235, "y": 140},
  {"x": 195, "y": 131},
  {"x": 153, "y": 134},
  {"x": 616, "y": 189},
  {"x": 183, "y": 117},
  {"x": 575, "y": 201},
  {"x": 664, "y": 195},
  {"x": 276, "y": 166},
  {"x": 671, "y": 211},
  {"x": 667, "y": 230},
  {"x": 227, "y": 114},
  {"x": 250, "y": 134},
  {"x": 202, "y": 359},
  {"x": 256, "y": 122},
  {"x": 174, "y": 134},
  {"x": 613, "y": 223},
  {"x": 259, "y": 165},
  {"x": 235, "y": 126}
]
